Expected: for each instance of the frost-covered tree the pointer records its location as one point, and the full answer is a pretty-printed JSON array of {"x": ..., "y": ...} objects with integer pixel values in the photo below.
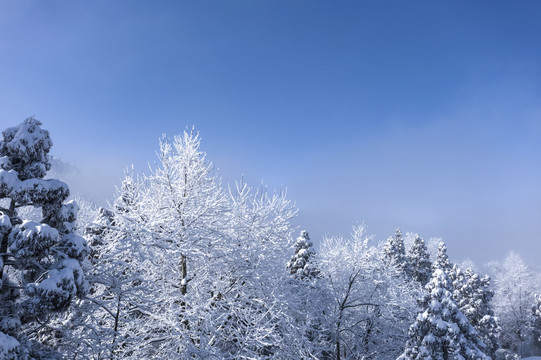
[
  {"x": 258, "y": 286},
  {"x": 441, "y": 331},
  {"x": 394, "y": 253},
  {"x": 307, "y": 304},
  {"x": 111, "y": 320},
  {"x": 515, "y": 286},
  {"x": 301, "y": 264},
  {"x": 183, "y": 228},
  {"x": 371, "y": 306},
  {"x": 40, "y": 270},
  {"x": 184, "y": 199},
  {"x": 192, "y": 270},
  {"x": 419, "y": 260},
  {"x": 473, "y": 295},
  {"x": 535, "y": 326}
]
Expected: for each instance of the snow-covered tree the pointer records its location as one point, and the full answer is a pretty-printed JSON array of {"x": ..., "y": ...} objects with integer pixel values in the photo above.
[
  {"x": 307, "y": 303},
  {"x": 419, "y": 260},
  {"x": 187, "y": 269},
  {"x": 183, "y": 228},
  {"x": 371, "y": 306},
  {"x": 394, "y": 253},
  {"x": 473, "y": 295},
  {"x": 535, "y": 326},
  {"x": 258, "y": 285},
  {"x": 442, "y": 261},
  {"x": 441, "y": 331},
  {"x": 40, "y": 270},
  {"x": 65, "y": 330},
  {"x": 515, "y": 288},
  {"x": 301, "y": 264},
  {"x": 113, "y": 320}
]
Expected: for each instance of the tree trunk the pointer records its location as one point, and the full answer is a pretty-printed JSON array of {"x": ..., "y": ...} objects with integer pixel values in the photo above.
[
  {"x": 338, "y": 341},
  {"x": 117, "y": 317},
  {"x": 183, "y": 280}
]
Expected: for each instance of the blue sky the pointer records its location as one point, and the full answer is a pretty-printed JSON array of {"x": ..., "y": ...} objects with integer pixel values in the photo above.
[{"x": 420, "y": 114}]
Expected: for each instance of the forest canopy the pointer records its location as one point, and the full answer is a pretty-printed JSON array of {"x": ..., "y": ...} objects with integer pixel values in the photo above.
[{"x": 181, "y": 265}]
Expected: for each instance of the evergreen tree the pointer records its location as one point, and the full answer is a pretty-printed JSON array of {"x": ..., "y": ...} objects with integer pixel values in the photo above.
[
  {"x": 40, "y": 269},
  {"x": 394, "y": 253},
  {"x": 473, "y": 296},
  {"x": 419, "y": 260},
  {"x": 441, "y": 331},
  {"x": 442, "y": 260},
  {"x": 97, "y": 230},
  {"x": 300, "y": 264},
  {"x": 306, "y": 305}
]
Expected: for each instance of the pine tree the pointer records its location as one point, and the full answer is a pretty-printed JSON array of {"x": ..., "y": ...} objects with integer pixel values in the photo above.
[
  {"x": 306, "y": 305},
  {"x": 394, "y": 253},
  {"x": 441, "y": 331},
  {"x": 300, "y": 264},
  {"x": 419, "y": 260},
  {"x": 473, "y": 296},
  {"x": 442, "y": 260},
  {"x": 40, "y": 269}
]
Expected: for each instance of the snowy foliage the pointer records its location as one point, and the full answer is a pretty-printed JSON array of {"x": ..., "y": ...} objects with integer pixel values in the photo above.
[
  {"x": 515, "y": 289},
  {"x": 25, "y": 150},
  {"x": 40, "y": 268},
  {"x": 9, "y": 347},
  {"x": 371, "y": 305},
  {"x": 301, "y": 264},
  {"x": 183, "y": 267},
  {"x": 442, "y": 261},
  {"x": 473, "y": 295},
  {"x": 394, "y": 253},
  {"x": 441, "y": 330},
  {"x": 419, "y": 260},
  {"x": 186, "y": 268},
  {"x": 535, "y": 325}
]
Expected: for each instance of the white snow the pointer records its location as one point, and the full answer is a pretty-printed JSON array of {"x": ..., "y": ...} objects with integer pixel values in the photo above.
[
  {"x": 31, "y": 190},
  {"x": 32, "y": 237},
  {"x": 63, "y": 279},
  {"x": 5, "y": 223},
  {"x": 7, "y": 345},
  {"x": 77, "y": 245}
]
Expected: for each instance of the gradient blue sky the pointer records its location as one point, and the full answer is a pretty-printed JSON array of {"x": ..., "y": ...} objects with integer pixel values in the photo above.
[{"x": 419, "y": 114}]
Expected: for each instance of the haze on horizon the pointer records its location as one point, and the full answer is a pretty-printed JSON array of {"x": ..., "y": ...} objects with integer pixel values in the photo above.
[{"x": 420, "y": 115}]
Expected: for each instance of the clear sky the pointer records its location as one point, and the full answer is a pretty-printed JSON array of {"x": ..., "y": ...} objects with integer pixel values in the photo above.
[{"x": 419, "y": 114}]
